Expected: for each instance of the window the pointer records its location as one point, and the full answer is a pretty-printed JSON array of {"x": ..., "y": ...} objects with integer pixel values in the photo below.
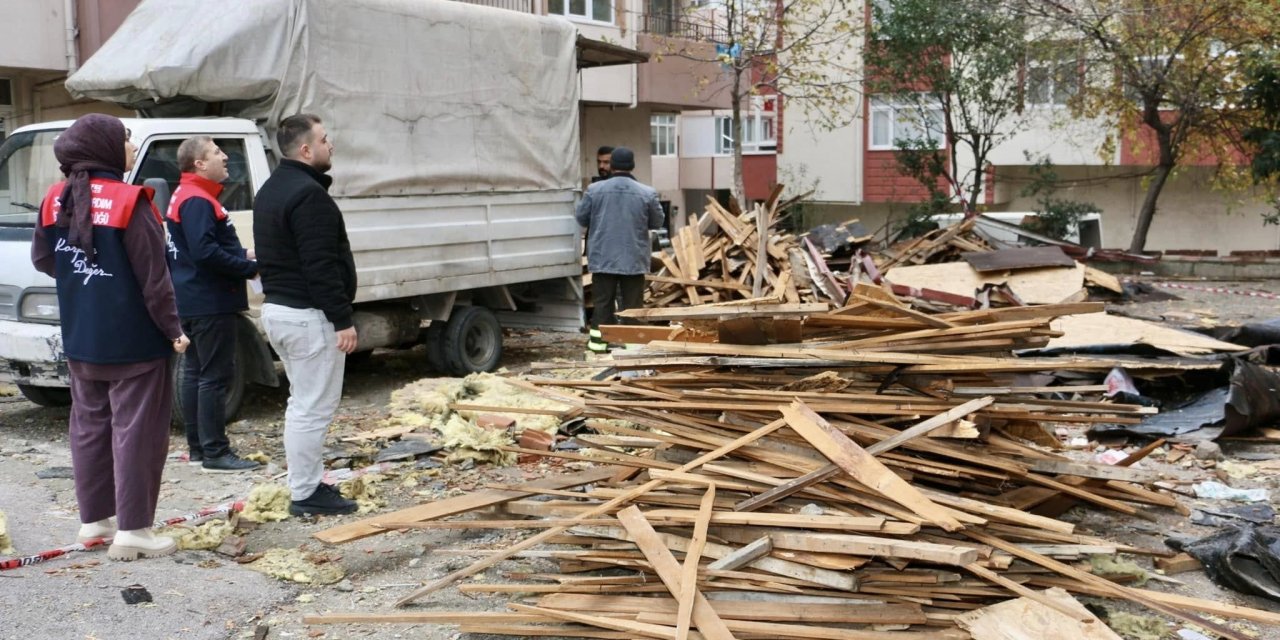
[
  {"x": 161, "y": 161},
  {"x": 597, "y": 10},
  {"x": 1051, "y": 82},
  {"x": 758, "y": 128},
  {"x": 27, "y": 170},
  {"x": 893, "y": 123},
  {"x": 6, "y": 92},
  {"x": 662, "y": 135}
]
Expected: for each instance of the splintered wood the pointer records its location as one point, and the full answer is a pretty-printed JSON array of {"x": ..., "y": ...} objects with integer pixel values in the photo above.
[
  {"x": 720, "y": 256},
  {"x": 877, "y": 479}
]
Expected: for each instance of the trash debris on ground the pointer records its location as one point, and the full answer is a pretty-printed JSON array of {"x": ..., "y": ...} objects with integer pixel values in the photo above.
[
  {"x": 1213, "y": 490},
  {"x": 267, "y": 502},
  {"x": 298, "y": 566},
  {"x": 364, "y": 490},
  {"x": 1255, "y": 513},
  {"x": 135, "y": 594},
  {"x": 1027, "y": 618},
  {"x": 1118, "y": 569},
  {"x": 6, "y": 542},
  {"x": 1136, "y": 627},
  {"x": 1244, "y": 558}
]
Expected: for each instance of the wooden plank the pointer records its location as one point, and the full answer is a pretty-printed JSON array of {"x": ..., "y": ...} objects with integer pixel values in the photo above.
[
  {"x": 836, "y": 612},
  {"x": 636, "y": 334},
  {"x": 709, "y": 623},
  {"x": 862, "y": 466},
  {"x": 708, "y": 311},
  {"x": 489, "y": 561},
  {"x": 689, "y": 571},
  {"x": 873, "y": 546},
  {"x": 781, "y": 520},
  {"x": 1088, "y": 470},
  {"x": 744, "y": 555},
  {"x": 452, "y": 506},
  {"x": 1181, "y": 563}
]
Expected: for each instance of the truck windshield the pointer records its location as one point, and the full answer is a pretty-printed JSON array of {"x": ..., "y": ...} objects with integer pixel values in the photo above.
[{"x": 27, "y": 170}]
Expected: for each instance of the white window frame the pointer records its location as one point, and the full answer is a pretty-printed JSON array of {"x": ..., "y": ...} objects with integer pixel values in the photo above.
[
  {"x": 588, "y": 14},
  {"x": 759, "y": 129},
  {"x": 662, "y": 135},
  {"x": 896, "y": 112}
]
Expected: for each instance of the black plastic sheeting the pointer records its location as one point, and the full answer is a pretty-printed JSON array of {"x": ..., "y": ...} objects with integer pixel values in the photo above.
[
  {"x": 1250, "y": 400},
  {"x": 1258, "y": 334},
  {"x": 1245, "y": 559}
]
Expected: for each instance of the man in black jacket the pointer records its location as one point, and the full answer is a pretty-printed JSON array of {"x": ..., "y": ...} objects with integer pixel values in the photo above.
[
  {"x": 309, "y": 279},
  {"x": 209, "y": 268}
]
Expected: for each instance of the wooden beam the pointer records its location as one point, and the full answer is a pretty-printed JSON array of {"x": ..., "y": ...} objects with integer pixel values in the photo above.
[{"x": 708, "y": 621}]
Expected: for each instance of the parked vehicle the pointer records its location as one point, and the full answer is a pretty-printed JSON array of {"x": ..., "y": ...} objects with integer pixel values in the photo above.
[{"x": 456, "y": 168}]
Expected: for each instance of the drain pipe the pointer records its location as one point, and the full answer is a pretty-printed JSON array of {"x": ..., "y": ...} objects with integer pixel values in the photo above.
[{"x": 69, "y": 15}]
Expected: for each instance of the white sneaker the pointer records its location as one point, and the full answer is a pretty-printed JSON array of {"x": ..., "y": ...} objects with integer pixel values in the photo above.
[
  {"x": 101, "y": 529},
  {"x": 140, "y": 543}
]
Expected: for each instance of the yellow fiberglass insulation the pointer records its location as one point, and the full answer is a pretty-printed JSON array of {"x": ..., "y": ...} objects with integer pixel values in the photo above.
[
  {"x": 204, "y": 537},
  {"x": 6, "y": 543},
  {"x": 295, "y": 566},
  {"x": 425, "y": 403},
  {"x": 365, "y": 492},
  {"x": 267, "y": 503}
]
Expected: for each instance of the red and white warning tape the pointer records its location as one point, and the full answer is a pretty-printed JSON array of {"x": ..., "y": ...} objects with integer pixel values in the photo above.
[
  {"x": 1235, "y": 292},
  {"x": 203, "y": 514}
]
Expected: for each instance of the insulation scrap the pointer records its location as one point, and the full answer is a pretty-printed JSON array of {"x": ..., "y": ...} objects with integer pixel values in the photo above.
[
  {"x": 296, "y": 566},
  {"x": 267, "y": 503},
  {"x": 1135, "y": 627},
  {"x": 363, "y": 489},
  {"x": 201, "y": 538},
  {"x": 1112, "y": 567},
  {"x": 6, "y": 543},
  {"x": 425, "y": 404},
  {"x": 258, "y": 457}
]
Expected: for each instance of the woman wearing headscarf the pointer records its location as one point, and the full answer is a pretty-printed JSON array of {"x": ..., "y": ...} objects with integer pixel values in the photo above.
[{"x": 103, "y": 242}]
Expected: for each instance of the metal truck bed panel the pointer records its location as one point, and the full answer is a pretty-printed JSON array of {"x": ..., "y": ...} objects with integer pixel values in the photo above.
[{"x": 417, "y": 245}]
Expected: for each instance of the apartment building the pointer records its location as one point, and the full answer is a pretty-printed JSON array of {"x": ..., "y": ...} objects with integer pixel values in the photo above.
[{"x": 1102, "y": 161}]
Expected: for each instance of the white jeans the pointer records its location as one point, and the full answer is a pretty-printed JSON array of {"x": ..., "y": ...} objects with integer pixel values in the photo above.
[{"x": 308, "y": 347}]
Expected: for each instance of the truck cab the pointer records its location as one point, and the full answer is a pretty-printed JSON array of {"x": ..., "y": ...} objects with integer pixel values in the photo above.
[{"x": 31, "y": 353}]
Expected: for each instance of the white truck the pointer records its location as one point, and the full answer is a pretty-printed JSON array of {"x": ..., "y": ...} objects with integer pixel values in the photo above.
[{"x": 456, "y": 163}]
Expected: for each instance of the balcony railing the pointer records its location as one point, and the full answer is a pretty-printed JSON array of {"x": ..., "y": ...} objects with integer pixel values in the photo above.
[
  {"x": 523, "y": 6},
  {"x": 680, "y": 25}
]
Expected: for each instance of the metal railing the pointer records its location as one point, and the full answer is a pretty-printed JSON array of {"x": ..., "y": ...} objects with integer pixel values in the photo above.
[{"x": 679, "y": 25}]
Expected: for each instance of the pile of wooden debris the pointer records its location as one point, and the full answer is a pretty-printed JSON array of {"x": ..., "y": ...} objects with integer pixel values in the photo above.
[{"x": 784, "y": 471}]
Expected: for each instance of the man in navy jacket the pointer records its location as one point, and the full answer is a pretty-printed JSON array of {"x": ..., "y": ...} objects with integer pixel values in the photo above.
[{"x": 209, "y": 269}]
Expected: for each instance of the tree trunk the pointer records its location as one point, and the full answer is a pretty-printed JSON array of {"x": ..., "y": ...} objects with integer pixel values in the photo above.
[
  {"x": 739, "y": 183},
  {"x": 1148, "y": 210}
]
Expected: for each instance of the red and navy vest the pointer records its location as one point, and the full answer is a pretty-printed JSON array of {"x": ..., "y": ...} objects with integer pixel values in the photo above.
[
  {"x": 104, "y": 318},
  {"x": 206, "y": 259}
]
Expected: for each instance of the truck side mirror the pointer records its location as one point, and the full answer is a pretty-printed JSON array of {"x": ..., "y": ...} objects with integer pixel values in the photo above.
[{"x": 161, "y": 188}]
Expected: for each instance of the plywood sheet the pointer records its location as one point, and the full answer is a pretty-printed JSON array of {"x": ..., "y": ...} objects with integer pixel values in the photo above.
[
  {"x": 1026, "y": 619},
  {"x": 1092, "y": 329},
  {"x": 1034, "y": 286},
  {"x": 1020, "y": 258}
]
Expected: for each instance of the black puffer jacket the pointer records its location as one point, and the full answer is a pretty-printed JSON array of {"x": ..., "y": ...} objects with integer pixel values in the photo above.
[{"x": 301, "y": 244}]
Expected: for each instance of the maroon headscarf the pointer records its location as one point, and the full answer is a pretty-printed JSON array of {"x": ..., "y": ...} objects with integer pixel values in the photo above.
[{"x": 94, "y": 142}]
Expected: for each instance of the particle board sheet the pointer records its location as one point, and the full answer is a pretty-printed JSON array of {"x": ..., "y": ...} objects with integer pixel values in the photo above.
[
  {"x": 1033, "y": 286},
  {"x": 1095, "y": 329}
]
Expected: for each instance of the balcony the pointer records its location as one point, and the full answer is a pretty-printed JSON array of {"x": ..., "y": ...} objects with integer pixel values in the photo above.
[{"x": 681, "y": 25}]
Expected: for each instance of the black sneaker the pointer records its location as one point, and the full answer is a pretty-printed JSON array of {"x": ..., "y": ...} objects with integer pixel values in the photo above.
[
  {"x": 194, "y": 458},
  {"x": 325, "y": 501},
  {"x": 230, "y": 463}
]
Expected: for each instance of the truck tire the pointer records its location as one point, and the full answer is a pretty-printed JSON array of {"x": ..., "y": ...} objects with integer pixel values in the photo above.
[
  {"x": 235, "y": 388},
  {"x": 46, "y": 396},
  {"x": 433, "y": 339},
  {"x": 472, "y": 341}
]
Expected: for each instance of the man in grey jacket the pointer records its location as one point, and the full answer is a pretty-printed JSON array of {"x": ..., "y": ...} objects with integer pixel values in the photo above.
[{"x": 618, "y": 213}]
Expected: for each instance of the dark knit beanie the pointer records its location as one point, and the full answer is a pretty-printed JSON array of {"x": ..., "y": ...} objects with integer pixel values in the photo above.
[{"x": 622, "y": 159}]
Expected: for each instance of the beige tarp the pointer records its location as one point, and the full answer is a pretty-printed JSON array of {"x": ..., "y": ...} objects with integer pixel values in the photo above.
[{"x": 420, "y": 96}]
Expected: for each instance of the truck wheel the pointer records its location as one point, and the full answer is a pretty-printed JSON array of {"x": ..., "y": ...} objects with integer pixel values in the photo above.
[
  {"x": 472, "y": 341},
  {"x": 46, "y": 396},
  {"x": 434, "y": 341},
  {"x": 235, "y": 388}
]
